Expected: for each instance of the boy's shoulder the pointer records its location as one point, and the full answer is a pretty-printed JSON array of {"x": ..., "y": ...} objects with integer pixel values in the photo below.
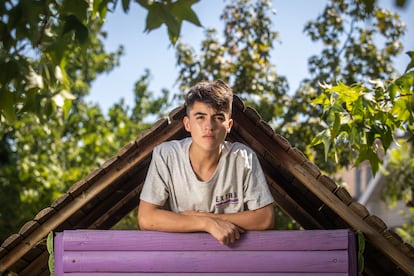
[
  {"x": 173, "y": 146},
  {"x": 238, "y": 149},
  {"x": 237, "y": 146}
]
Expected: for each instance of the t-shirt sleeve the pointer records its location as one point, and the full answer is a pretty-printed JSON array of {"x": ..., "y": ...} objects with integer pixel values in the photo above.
[
  {"x": 155, "y": 186},
  {"x": 256, "y": 189}
]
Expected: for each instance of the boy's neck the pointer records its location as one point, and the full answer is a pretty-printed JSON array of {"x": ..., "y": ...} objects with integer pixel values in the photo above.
[{"x": 204, "y": 163}]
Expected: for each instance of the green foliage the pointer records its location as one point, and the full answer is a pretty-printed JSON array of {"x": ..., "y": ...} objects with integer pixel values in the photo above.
[
  {"x": 361, "y": 250},
  {"x": 50, "y": 250},
  {"x": 351, "y": 55},
  {"x": 359, "y": 39},
  {"x": 400, "y": 173},
  {"x": 129, "y": 222},
  {"x": 366, "y": 118},
  {"x": 242, "y": 59},
  {"x": 41, "y": 160},
  {"x": 39, "y": 39},
  {"x": 284, "y": 221},
  {"x": 50, "y": 52},
  {"x": 406, "y": 231}
]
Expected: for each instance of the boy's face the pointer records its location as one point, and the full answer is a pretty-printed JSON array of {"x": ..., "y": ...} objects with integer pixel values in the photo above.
[{"x": 208, "y": 127}]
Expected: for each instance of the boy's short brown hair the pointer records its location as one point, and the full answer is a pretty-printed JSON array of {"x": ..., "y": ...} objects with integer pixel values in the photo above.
[{"x": 217, "y": 94}]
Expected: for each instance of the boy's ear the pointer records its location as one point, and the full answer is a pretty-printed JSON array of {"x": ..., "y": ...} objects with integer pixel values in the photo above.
[
  {"x": 186, "y": 123},
  {"x": 230, "y": 125}
]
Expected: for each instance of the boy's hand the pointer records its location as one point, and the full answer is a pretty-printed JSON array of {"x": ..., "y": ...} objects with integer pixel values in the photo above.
[{"x": 225, "y": 232}]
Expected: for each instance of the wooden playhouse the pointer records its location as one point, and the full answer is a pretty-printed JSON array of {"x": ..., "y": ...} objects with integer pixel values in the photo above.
[{"x": 109, "y": 193}]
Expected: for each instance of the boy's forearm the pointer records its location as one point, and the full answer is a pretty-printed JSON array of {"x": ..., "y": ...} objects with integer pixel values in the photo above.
[
  {"x": 151, "y": 217},
  {"x": 260, "y": 219},
  {"x": 162, "y": 220}
]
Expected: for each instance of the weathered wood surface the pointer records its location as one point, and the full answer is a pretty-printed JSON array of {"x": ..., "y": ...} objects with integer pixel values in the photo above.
[
  {"x": 203, "y": 274},
  {"x": 97, "y": 252}
]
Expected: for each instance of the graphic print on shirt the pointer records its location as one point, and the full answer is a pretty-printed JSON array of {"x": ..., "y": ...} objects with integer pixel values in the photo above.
[{"x": 226, "y": 199}]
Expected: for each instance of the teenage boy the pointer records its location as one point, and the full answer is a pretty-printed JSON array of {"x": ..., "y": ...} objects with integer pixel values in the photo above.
[{"x": 205, "y": 183}]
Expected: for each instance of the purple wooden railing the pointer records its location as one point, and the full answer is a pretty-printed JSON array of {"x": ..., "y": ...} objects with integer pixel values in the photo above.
[{"x": 122, "y": 252}]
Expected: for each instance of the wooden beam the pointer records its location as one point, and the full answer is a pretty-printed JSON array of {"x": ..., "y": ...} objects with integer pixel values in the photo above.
[{"x": 333, "y": 202}]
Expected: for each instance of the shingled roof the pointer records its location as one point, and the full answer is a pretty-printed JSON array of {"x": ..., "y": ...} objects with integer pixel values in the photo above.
[{"x": 311, "y": 198}]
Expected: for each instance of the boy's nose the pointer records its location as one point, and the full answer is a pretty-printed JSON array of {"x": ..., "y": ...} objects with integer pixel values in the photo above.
[{"x": 210, "y": 124}]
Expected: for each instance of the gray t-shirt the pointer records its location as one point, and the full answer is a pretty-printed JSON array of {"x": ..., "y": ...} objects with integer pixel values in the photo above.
[{"x": 238, "y": 183}]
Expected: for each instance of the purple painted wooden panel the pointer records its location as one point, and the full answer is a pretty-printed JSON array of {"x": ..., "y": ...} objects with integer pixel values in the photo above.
[
  {"x": 122, "y": 250},
  {"x": 202, "y": 274},
  {"x": 252, "y": 240},
  {"x": 206, "y": 261},
  {"x": 58, "y": 253}
]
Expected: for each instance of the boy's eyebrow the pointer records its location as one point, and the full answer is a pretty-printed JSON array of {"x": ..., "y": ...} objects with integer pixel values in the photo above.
[
  {"x": 220, "y": 114},
  {"x": 216, "y": 114},
  {"x": 199, "y": 113}
]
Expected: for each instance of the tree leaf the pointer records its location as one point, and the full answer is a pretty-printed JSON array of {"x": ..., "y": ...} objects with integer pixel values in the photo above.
[
  {"x": 10, "y": 69},
  {"x": 170, "y": 14},
  {"x": 49, "y": 242},
  {"x": 401, "y": 109},
  {"x": 33, "y": 80},
  {"x": 406, "y": 82},
  {"x": 354, "y": 135},
  {"x": 155, "y": 17},
  {"x": 361, "y": 250},
  {"x": 99, "y": 10},
  {"x": 7, "y": 104},
  {"x": 174, "y": 33},
  {"x": 72, "y": 23},
  {"x": 125, "y": 5},
  {"x": 50, "y": 249},
  {"x": 322, "y": 99},
  {"x": 66, "y": 108},
  {"x": 393, "y": 90},
  {"x": 366, "y": 152},
  {"x": 145, "y": 3},
  {"x": 323, "y": 137},
  {"x": 77, "y": 8},
  {"x": 182, "y": 11},
  {"x": 386, "y": 137},
  {"x": 337, "y": 124},
  {"x": 411, "y": 63},
  {"x": 173, "y": 23}
]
